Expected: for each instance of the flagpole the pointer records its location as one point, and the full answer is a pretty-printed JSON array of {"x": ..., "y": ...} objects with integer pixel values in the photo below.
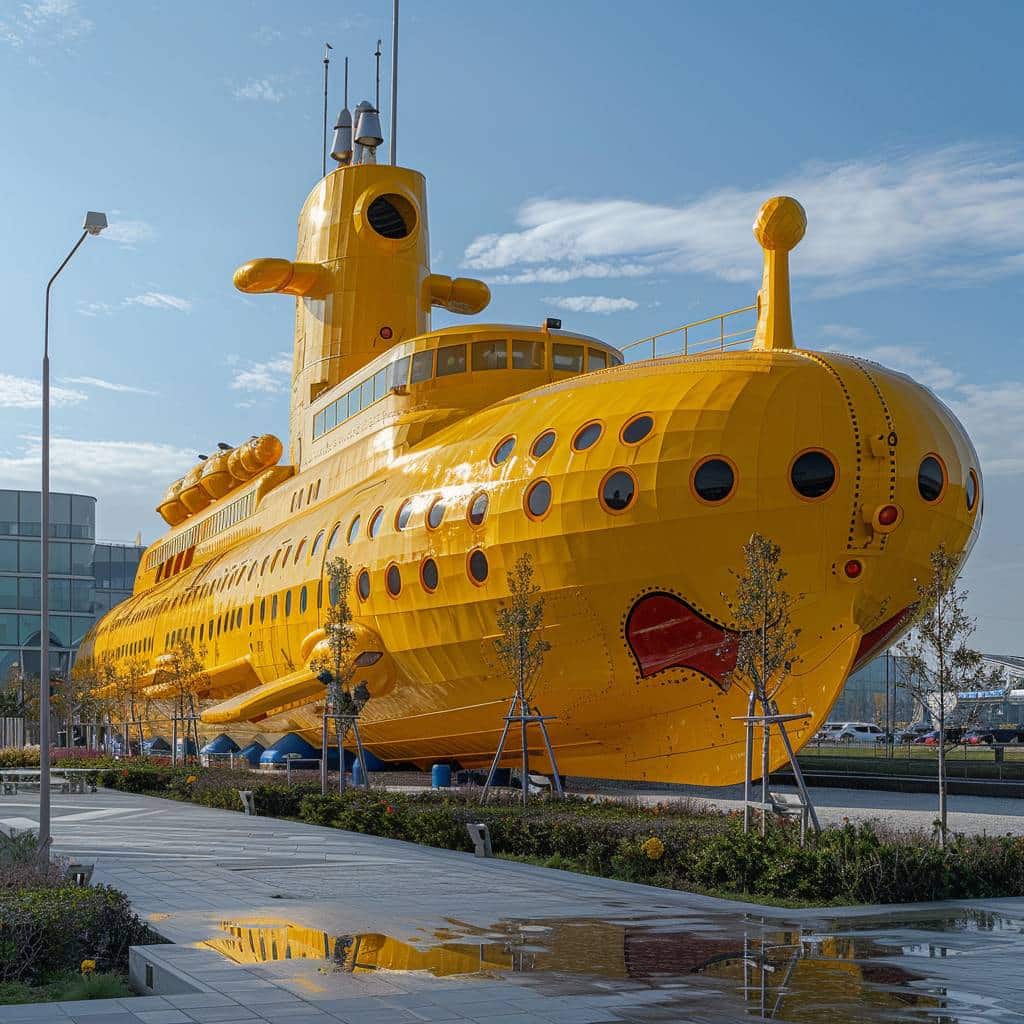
[{"x": 323, "y": 148}]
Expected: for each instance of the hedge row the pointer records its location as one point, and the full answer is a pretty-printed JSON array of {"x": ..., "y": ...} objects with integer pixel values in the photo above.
[{"x": 677, "y": 846}]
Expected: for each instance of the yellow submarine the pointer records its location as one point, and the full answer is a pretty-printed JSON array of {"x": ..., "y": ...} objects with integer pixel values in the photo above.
[{"x": 432, "y": 459}]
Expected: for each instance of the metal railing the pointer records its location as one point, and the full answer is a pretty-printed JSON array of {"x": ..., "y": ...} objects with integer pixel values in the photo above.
[{"x": 714, "y": 334}]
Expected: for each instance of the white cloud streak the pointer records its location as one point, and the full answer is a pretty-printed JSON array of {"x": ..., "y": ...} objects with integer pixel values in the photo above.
[
  {"x": 270, "y": 377},
  {"x": 262, "y": 89},
  {"x": 954, "y": 215},
  {"x": 160, "y": 300},
  {"x": 26, "y": 393},
  {"x": 128, "y": 234},
  {"x": 44, "y": 23},
  {"x": 107, "y": 385},
  {"x": 603, "y": 304}
]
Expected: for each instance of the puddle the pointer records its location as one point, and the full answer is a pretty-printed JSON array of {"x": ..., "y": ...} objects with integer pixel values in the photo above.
[{"x": 899, "y": 967}]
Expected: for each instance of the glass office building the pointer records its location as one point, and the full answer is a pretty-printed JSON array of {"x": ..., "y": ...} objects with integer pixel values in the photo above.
[{"x": 86, "y": 578}]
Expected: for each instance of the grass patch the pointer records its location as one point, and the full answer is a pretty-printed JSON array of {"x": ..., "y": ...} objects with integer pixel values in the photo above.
[{"x": 66, "y": 986}]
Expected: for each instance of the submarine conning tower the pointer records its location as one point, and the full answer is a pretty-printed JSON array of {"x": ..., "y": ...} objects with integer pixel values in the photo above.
[{"x": 361, "y": 277}]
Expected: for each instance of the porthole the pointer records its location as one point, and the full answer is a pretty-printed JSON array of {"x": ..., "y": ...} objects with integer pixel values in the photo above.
[
  {"x": 334, "y": 536},
  {"x": 543, "y": 444},
  {"x": 263, "y": 611},
  {"x": 478, "y": 509},
  {"x": 813, "y": 474},
  {"x": 503, "y": 451},
  {"x": 303, "y": 600},
  {"x": 538, "y": 499},
  {"x": 298, "y": 550},
  {"x": 393, "y": 580},
  {"x": 273, "y": 608},
  {"x": 316, "y": 543},
  {"x": 391, "y": 216},
  {"x": 263, "y": 567},
  {"x": 587, "y": 436},
  {"x": 363, "y": 584},
  {"x": 476, "y": 564},
  {"x": 713, "y": 480},
  {"x": 375, "y": 520},
  {"x": 353, "y": 530},
  {"x": 971, "y": 490},
  {"x": 403, "y": 515},
  {"x": 428, "y": 575},
  {"x": 273, "y": 562},
  {"x": 287, "y": 603},
  {"x": 435, "y": 514},
  {"x": 931, "y": 478},
  {"x": 618, "y": 489},
  {"x": 636, "y": 429}
]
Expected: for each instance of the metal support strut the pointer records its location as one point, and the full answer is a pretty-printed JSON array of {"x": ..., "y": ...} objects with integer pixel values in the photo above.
[{"x": 525, "y": 718}]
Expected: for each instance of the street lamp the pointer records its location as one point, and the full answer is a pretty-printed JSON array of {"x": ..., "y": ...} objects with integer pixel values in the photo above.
[{"x": 94, "y": 223}]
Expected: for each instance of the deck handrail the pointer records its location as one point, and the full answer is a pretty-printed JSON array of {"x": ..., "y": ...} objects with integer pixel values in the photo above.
[{"x": 712, "y": 343}]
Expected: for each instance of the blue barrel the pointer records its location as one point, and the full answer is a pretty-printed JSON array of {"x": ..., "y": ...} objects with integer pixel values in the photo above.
[
  {"x": 357, "y": 774},
  {"x": 441, "y": 776}
]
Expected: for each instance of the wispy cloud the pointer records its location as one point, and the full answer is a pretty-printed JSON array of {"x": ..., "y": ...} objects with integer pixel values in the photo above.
[
  {"x": 150, "y": 300},
  {"x": 44, "y": 22},
  {"x": 26, "y": 393},
  {"x": 603, "y": 304},
  {"x": 128, "y": 234},
  {"x": 844, "y": 332},
  {"x": 107, "y": 385},
  {"x": 993, "y": 414},
  {"x": 269, "y": 377},
  {"x": 953, "y": 215},
  {"x": 265, "y": 89},
  {"x": 160, "y": 300}
]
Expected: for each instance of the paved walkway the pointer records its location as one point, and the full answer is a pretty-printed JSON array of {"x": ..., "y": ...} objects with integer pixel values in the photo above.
[{"x": 418, "y": 934}]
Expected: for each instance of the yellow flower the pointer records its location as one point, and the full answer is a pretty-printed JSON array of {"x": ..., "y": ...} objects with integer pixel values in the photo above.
[
  {"x": 654, "y": 848},
  {"x": 88, "y": 966},
  {"x": 191, "y": 780}
]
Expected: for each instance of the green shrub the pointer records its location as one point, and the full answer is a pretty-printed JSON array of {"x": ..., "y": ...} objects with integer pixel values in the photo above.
[
  {"x": 50, "y": 930},
  {"x": 19, "y": 757}
]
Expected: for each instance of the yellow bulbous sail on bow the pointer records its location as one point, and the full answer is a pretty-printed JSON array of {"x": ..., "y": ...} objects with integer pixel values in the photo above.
[{"x": 432, "y": 459}]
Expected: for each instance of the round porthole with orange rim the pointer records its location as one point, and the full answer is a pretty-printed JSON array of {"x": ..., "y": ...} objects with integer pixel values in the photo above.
[
  {"x": 375, "y": 520},
  {"x": 971, "y": 490},
  {"x": 813, "y": 474},
  {"x": 503, "y": 450},
  {"x": 363, "y": 584},
  {"x": 637, "y": 429},
  {"x": 429, "y": 575},
  {"x": 617, "y": 491},
  {"x": 393, "y": 580},
  {"x": 403, "y": 515},
  {"x": 713, "y": 480},
  {"x": 537, "y": 500},
  {"x": 543, "y": 444},
  {"x": 587, "y": 436},
  {"x": 387, "y": 216},
  {"x": 931, "y": 478},
  {"x": 477, "y": 567},
  {"x": 477, "y": 511},
  {"x": 435, "y": 514}
]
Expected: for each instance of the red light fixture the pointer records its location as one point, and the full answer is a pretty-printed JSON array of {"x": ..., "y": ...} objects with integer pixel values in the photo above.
[
  {"x": 386, "y": 333},
  {"x": 888, "y": 514},
  {"x": 853, "y": 569}
]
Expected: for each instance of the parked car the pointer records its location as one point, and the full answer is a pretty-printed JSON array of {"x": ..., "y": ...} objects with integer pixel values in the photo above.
[
  {"x": 931, "y": 739},
  {"x": 976, "y": 737},
  {"x": 827, "y": 733},
  {"x": 913, "y": 733},
  {"x": 859, "y": 732}
]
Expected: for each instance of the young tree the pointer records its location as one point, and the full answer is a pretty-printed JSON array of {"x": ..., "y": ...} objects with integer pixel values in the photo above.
[
  {"x": 337, "y": 667},
  {"x": 184, "y": 670},
  {"x": 935, "y": 660},
  {"x": 765, "y": 642},
  {"x": 520, "y": 648},
  {"x": 79, "y": 697}
]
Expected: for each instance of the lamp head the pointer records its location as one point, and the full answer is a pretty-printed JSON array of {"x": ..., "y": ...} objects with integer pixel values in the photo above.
[{"x": 94, "y": 222}]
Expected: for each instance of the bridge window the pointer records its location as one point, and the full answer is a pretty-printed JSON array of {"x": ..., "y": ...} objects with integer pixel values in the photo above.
[
  {"x": 527, "y": 355},
  {"x": 490, "y": 355},
  {"x": 398, "y": 373},
  {"x": 422, "y": 366},
  {"x": 567, "y": 358},
  {"x": 596, "y": 359},
  {"x": 451, "y": 359}
]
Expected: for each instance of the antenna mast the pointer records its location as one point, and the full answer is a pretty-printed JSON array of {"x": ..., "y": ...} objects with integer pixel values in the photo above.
[
  {"x": 323, "y": 148},
  {"x": 376, "y": 54},
  {"x": 393, "y": 146}
]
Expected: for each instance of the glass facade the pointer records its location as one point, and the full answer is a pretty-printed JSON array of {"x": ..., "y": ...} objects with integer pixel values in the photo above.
[
  {"x": 86, "y": 578},
  {"x": 873, "y": 694}
]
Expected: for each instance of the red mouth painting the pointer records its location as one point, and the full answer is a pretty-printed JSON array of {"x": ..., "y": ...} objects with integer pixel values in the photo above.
[
  {"x": 664, "y": 632},
  {"x": 871, "y": 643}
]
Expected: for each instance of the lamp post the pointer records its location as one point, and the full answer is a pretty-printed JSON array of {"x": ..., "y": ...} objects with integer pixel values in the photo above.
[{"x": 93, "y": 225}]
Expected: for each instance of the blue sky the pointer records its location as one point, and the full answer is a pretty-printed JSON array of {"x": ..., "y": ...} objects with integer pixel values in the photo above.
[{"x": 598, "y": 161}]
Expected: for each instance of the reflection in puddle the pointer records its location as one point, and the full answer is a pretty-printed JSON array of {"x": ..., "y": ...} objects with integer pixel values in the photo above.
[{"x": 865, "y": 969}]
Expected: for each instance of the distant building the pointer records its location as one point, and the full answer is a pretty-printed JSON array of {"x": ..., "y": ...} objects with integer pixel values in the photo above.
[{"x": 86, "y": 578}]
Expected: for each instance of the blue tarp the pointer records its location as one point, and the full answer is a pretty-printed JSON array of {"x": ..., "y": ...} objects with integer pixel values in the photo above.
[
  {"x": 156, "y": 745},
  {"x": 222, "y": 744},
  {"x": 252, "y": 753}
]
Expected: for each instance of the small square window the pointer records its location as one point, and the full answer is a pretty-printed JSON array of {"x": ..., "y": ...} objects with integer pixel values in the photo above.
[
  {"x": 596, "y": 359},
  {"x": 451, "y": 359},
  {"x": 527, "y": 355},
  {"x": 490, "y": 355},
  {"x": 398, "y": 373},
  {"x": 422, "y": 366},
  {"x": 330, "y": 416},
  {"x": 366, "y": 394},
  {"x": 379, "y": 384},
  {"x": 568, "y": 358}
]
